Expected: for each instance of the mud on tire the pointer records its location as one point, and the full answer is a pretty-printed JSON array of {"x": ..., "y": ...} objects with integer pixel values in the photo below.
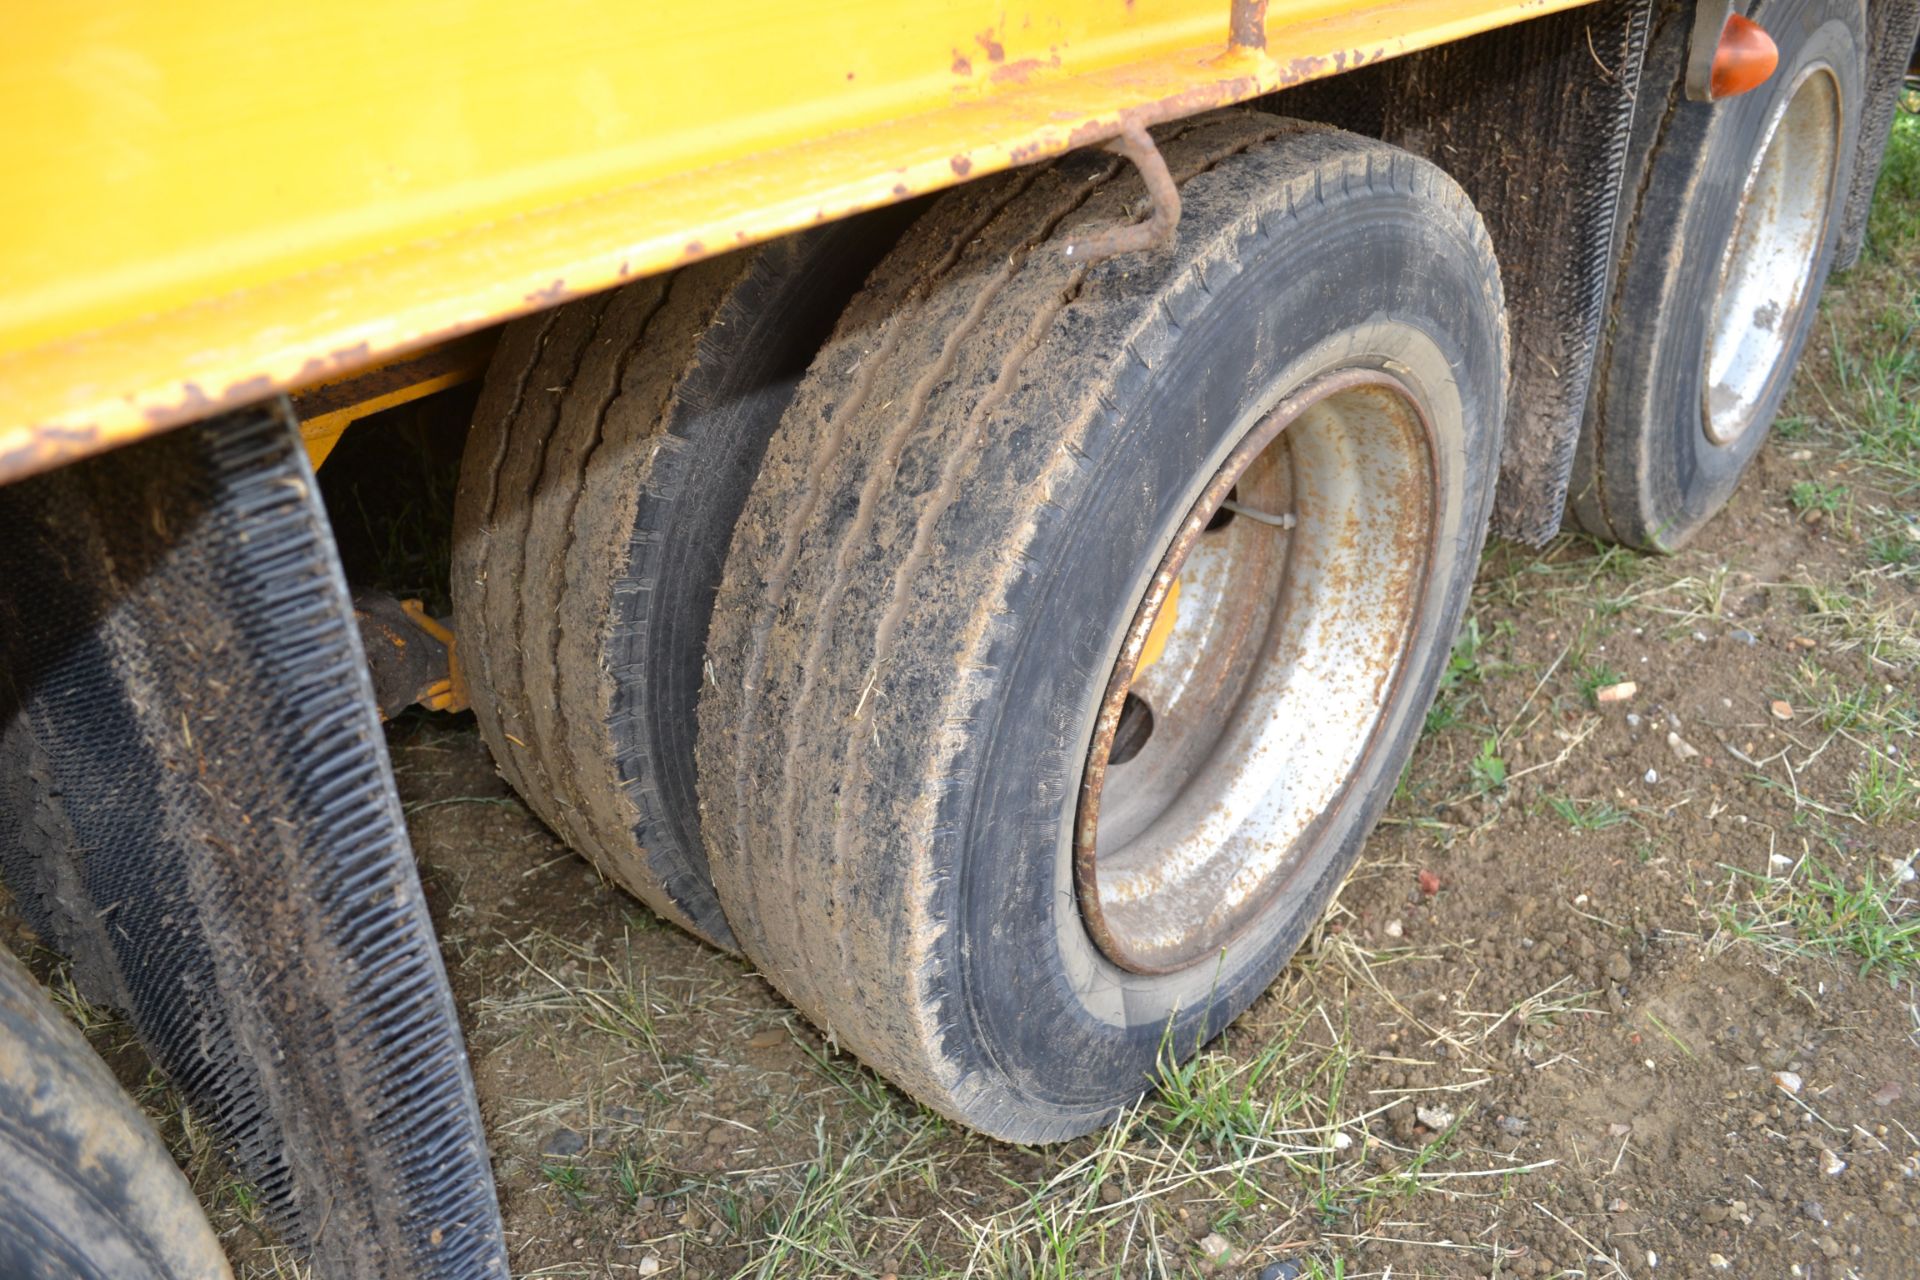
[
  {"x": 90, "y": 1191},
  {"x": 612, "y": 447},
  {"x": 952, "y": 532}
]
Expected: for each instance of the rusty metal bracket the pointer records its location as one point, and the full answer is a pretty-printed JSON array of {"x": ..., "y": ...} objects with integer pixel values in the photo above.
[
  {"x": 1137, "y": 145},
  {"x": 412, "y": 657},
  {"x": 1247, "y": 24}
]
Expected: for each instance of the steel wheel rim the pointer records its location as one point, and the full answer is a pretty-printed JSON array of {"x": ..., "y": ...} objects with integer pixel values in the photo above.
[
  {"x": 1275, "y": 678},
  {"x": 1766, "y": 273}
]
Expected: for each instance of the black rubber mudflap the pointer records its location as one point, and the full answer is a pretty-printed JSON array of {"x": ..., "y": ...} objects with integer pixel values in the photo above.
[
  {"x": 195, "y": 803},
  {"x": 1892, "y": 26},
  {"x": 1533, "y": 120}
]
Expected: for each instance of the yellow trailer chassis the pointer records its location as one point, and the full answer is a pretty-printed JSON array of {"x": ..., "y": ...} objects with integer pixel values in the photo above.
[{"x": 209, "y": 203}]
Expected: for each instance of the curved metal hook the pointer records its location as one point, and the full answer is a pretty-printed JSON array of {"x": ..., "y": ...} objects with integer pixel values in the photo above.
[{"x": 1138, "y": 146}]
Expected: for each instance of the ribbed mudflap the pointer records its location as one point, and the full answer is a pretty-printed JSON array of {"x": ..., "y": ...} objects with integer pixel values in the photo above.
[{"x": 196, "y": 804}]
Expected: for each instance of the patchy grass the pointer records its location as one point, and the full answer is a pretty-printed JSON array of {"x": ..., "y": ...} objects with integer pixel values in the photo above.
[
  {"x": 1464, "y": 671},
  {"x": 1588, "y": 815},
  {"x": 1868, "y": 918},
  {"x": 1860, "y": 613},
  {"x": 595, "y": 994},
  {"x": 1813, "y": 495},
  {"x": 1593, "y": 678},
  {"x": 1883, "y": 787},
  {"x": 1869, "y": 395},
  {"x": 1893, "y": 227}
]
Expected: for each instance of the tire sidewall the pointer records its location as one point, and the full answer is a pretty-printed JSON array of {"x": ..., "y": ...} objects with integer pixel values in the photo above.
[
  {"x": 1678, "y": 476},
  {"x": 1390, "y": 280}
]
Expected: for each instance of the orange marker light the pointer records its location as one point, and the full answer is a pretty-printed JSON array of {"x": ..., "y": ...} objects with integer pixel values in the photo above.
[{"x": 1743, "y": 60}]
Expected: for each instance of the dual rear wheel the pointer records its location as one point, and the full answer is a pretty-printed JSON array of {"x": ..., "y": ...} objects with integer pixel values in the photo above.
[
  {"x": 1728, "y": 225},
  {"x": 1015, "y": 685},
  {"x": 1076, "y": 619}
]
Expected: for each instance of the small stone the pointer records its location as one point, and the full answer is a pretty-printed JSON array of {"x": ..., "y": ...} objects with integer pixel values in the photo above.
[
  {"x": 771, "y": 1038},
  {"x": 1718, "y": 1261},
  {"x": 1110, "y": 1193},
  {"x": 1619, "y": 968},
  {"x": 1394, "y": 929},
  {"x": 1621, "y": 692},
  {"x": 1788, "y": 1080},
  {"x": 1435, "y": 1117},
  {"x": 1744, "y": 636},
  {"x": 1781, "y": 708},
  {"x": 1216, "y": 1247},
  {"x": 1829, "y": 1246},
  {"x": 1814, "y": 1210},
  {"x": 564, "y": 1142},
  {"x": 1681, "y": 748},
  {"x": 1887, "y": 1094},
  {"x": 648, "y": 1265},
  {"x": 1285, "y": 1269},
  {"x": 644, "y": 1204},
  {"x": 1830, "y": 1164},
  {"x": 1653, "y": 776}
]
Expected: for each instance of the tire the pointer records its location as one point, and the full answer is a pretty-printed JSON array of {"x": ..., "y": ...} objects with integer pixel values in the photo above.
[
  {"x": 611, "y": 450},
  {"x": 90, "y": 1192},
  {"x": 958, "y": 525},
  {"x": 1691, "y": 368}
]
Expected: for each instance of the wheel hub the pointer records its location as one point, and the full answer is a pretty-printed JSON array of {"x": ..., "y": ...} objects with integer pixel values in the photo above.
[
  {"x": 1766, "y": 276},
  {"x": 1229, "y": 729}
]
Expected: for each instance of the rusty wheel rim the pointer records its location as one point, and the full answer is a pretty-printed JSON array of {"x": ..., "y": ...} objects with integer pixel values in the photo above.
[
  {"x": 1228, "y": 731},
  {"x": 1766, "y": 275}
]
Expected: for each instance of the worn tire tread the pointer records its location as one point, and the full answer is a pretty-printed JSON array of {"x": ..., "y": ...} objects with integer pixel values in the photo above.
[{"x": 816, "y": 768}]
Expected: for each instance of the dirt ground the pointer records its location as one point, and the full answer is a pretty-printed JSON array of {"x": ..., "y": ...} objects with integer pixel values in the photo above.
[{"x": 1622, "y": 986}]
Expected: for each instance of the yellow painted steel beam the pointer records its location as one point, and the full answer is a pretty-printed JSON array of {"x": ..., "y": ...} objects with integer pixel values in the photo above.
[
  {"x": 326, "y": 411},
  {"x": 211, "y": 201}
]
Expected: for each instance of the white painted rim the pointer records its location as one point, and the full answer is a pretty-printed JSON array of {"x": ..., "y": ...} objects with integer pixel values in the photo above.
[{"x": 1766, "y": 275}]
